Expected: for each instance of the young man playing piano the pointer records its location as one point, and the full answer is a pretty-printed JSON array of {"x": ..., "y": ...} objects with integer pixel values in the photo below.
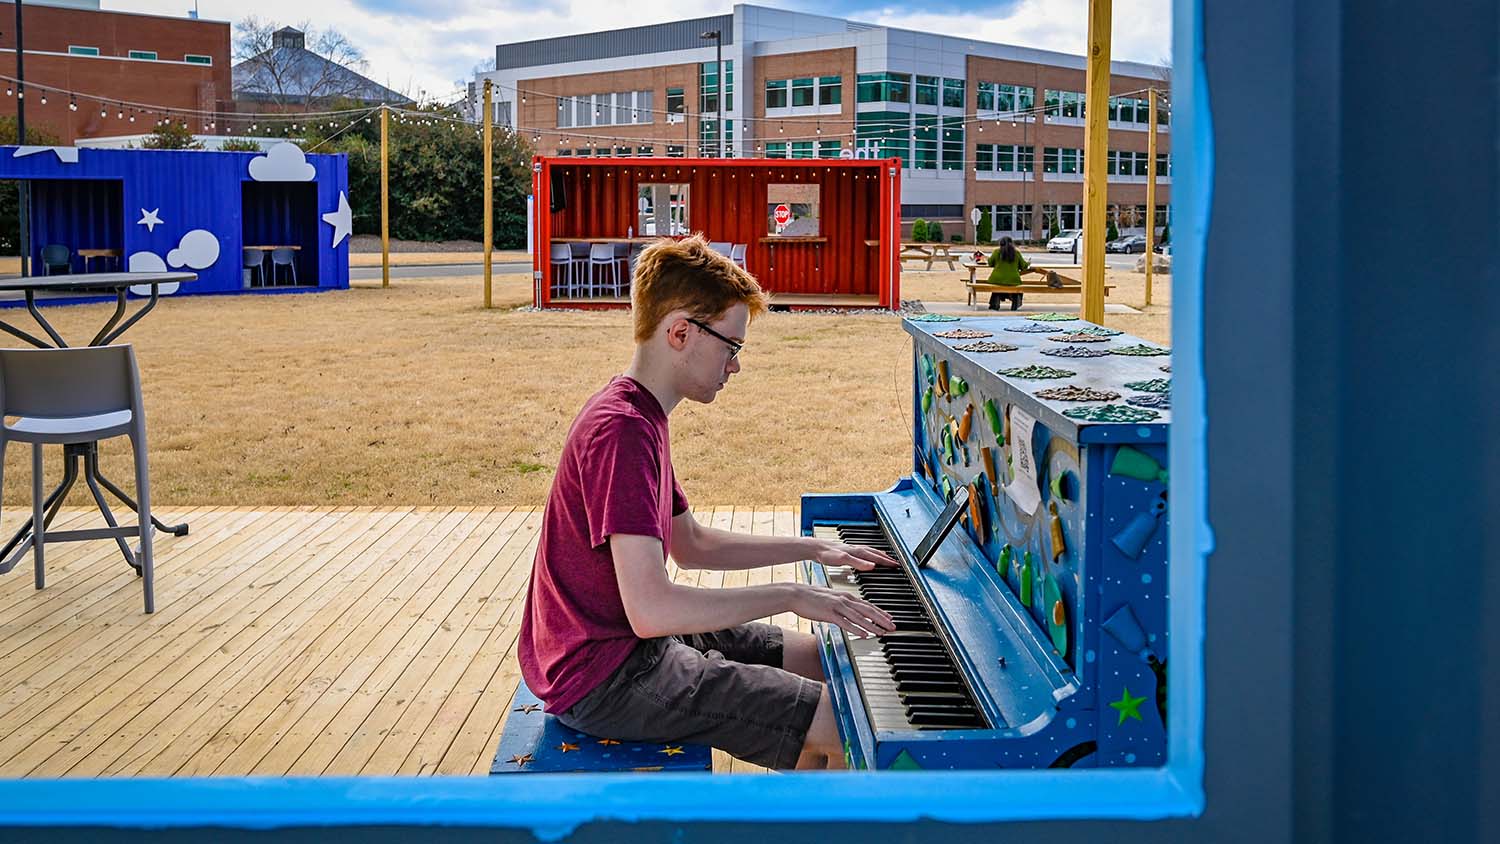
[{"x": 608, "y": 642}]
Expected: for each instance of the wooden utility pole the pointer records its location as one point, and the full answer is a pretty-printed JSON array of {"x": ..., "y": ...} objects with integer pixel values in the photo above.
[
  {"x": 385, "y": 197},
  {"x": 1095, "y": 160},
  {"x": 489, "y": 190},
  {"x": 1151, "y": 196}
]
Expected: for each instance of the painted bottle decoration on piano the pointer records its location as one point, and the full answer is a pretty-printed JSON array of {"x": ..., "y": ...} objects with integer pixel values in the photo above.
[{"x": 1034, "y": 636}]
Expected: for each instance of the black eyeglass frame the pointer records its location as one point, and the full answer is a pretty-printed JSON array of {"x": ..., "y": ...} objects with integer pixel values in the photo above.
[{"x": 734, "y": 348}]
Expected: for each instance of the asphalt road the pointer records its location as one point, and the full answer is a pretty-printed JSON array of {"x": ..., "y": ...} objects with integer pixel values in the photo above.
[
  {"x": 1111, "y": 260},
  {"x": 439, "y": 270}
]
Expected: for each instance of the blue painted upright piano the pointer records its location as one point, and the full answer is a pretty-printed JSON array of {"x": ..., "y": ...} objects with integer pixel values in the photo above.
[{"x": 1035, "y": 636}]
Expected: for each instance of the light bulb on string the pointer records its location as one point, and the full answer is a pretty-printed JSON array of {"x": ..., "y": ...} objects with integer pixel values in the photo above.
[
  {"x": 72, "y": 104},
  {"x": 44, "y": 98}
]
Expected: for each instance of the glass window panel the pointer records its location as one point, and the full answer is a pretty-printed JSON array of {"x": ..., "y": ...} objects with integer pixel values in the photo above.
[
  {"x": 622, "y": 107},
  {"x": 830, "y": 91},
  {"x": 1049, "y": 159},
  {"x": 953, "y": 93},
  {"x": 675, "y": 101},
  {"x": 802, "y": 92},
  {"x": 776, "y": 94},
  {"x": 898, "y": 87},
  {"x": 984, "y": 157},
  {"x": 868, "y": 88},
  {"x": 829, "y": 149},
  {"x": 927, "y": 90},
  {"x": 776, "y": 150},
  {"x": 803, "y": 202},
  {"x": 986, "y": 99},
  {"x": 583, "y": 111}
]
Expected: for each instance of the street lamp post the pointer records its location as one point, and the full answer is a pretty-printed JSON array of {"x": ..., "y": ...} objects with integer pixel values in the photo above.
[{"x": 718, "y": 38}]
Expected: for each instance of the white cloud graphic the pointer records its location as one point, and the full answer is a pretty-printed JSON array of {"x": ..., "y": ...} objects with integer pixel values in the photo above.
[
  {"x": 198, "y": 249},
  {"x": 149, "y": 262},
  {"x": 283, "y": 162}
]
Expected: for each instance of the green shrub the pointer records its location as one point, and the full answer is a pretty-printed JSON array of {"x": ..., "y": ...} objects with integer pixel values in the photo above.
[
  {"x": 1165, "y": 234},
  {"x": 1111, "y": 233},
  {"x": 955, "y": 238},
  {"x": 1052, "y": 225},
  {"x": 935, "y": 232},
  {"x": 919, "y": 231},
  {"x": 240, "y": 145},
  {"x": 985, "y": 231},
  {"x": 171, "y": 135}
]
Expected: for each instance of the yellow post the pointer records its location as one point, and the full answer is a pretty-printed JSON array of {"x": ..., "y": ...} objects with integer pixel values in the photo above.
[
  {"x": 1095, "y": 155},
  {"x": 489, "y": 186},
  {"x": 385, "y": 198},
  {"x": 1151, "y": 197}
]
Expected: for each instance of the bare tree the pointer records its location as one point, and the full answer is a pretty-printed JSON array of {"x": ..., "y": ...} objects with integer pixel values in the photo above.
[{"x": 283, "y": 67}]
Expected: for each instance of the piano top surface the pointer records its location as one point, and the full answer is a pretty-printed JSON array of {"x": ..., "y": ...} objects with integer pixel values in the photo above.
[
  {"x": 984, "y": 621},
  {"x": 1109, "y": 372}
]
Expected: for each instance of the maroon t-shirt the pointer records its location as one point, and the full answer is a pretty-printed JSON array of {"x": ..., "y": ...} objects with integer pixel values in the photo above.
[{"x": 615, "y": 476}]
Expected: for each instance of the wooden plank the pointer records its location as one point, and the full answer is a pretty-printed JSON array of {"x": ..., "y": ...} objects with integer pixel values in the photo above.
[
  {"x": 271, "y": 706},
  {"x": 396, "y": 721},
  {"x": 299, "y": 569},
  {"x": 57, "y": 665},
  {"x": 171, "y": 712},
  {"x": 309, "y": 707},
  {"x": 417, "y": 742},
  {"x": 169, "y": 745}
]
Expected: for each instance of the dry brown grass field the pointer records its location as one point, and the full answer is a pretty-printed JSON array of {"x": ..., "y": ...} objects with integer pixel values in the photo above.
[{"x": 416, "y": 395}]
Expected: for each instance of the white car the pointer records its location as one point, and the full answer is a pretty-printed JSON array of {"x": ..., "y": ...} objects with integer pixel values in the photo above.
[{"x": 1064, "y": 240}]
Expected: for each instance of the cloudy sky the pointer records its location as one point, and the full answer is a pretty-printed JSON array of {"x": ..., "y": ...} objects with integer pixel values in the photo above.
[{"x": 428, "y": 45}]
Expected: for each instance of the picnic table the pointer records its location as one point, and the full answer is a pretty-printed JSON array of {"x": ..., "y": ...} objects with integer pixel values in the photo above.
[
  {"x": 929, "y": 252},
  {"x": 71, "y": 285},
  {"x": 1069, "y": 284}
]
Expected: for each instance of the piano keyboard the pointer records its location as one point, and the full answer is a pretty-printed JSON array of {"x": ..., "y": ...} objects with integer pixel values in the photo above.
[{"x": 908, "y": 677}]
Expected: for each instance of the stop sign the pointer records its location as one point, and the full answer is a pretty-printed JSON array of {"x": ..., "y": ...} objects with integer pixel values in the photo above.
[{"x": 783, "y": 214}]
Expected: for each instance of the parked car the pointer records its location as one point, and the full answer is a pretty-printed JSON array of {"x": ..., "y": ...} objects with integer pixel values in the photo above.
[
  {"x": 1064, "y": 240},
  {"x": 1128, "y": 244},
  {"x": 1164, "y": 249}
]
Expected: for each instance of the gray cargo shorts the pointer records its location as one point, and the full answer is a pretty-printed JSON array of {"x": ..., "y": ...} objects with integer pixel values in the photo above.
[{"x": 725, "y": 689}]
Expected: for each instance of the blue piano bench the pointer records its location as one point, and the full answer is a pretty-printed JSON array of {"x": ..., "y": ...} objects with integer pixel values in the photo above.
[{"x": 534, "y": 742}]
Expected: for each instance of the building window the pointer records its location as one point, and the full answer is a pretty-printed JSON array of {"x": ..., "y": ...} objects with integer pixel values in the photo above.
[
  {"x": 802, "y": 92},
  {"x": 884, "y": 88},
  {"x": 1004, "y": 158},
  {"x": 1015, "y": 98},
  {"x": 927, "y": 90},
  {"x": 830, "y": 90},
  {"x": 193, "y": 58},
  {"x": 776, "y": 150},
  {"x": 1068, "y": 216},
  {"x": 1067, "y": 104},
  {"x": 925, "y": 150},
  {"x": 953, "y": 93},
  {"x": 776, "y": 93},
  {"x": 1164, "y": 164},
  {"x": 564, "y": 153},
  {"x": 676, "y": 103},
  {"x": 708, "y": 87},
  {"x": 148, "y": 55},
  {"x": 953, "y": 143},
  {"x": 829, "y": 149},
  {"x": 886, "y": 132},
  {"x": 1010, "y": 219},
  {"x": 82, "y": 51},
  {"x": 802, "y": 149},
  {"x": 645, "y": 152},
  {"x": 1062, "y": 160},
  {"x": 674, "y": 151}
]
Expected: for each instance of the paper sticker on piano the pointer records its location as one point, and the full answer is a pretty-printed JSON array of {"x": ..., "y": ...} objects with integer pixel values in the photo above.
[{"x": 1023, "y": 488}]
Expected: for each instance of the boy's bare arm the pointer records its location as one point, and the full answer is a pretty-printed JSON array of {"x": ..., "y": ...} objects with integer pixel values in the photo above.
[
  {"x": 658, "y": 607},
  {"x": 697, "y": 547}
]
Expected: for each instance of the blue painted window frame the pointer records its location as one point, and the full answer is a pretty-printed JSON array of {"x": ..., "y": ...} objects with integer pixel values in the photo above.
[{"x": 554, "y": 806}]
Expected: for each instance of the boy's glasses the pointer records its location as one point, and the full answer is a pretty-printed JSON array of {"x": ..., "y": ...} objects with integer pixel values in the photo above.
[{"x": 734, "y": 348}]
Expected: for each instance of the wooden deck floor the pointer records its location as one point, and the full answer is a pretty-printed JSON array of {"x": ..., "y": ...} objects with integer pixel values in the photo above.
[{"x": 286, "y": 641}]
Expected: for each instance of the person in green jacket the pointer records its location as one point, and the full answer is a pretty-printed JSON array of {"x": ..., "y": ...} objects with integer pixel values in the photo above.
[{"x": 1008, "y": 266}]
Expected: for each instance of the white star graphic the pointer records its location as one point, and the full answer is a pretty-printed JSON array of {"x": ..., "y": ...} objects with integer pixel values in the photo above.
[
  {"x": 342, "y": 220},
  {"x": 149, "y": 219}
]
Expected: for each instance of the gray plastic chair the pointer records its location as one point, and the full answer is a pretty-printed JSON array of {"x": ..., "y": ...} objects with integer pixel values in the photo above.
[
  {"x": 253, "y": 260},
  {"x": 283, "y": 258},
  {"x": 69, "y": 396},
  {"x": 56, "y": 256}
]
